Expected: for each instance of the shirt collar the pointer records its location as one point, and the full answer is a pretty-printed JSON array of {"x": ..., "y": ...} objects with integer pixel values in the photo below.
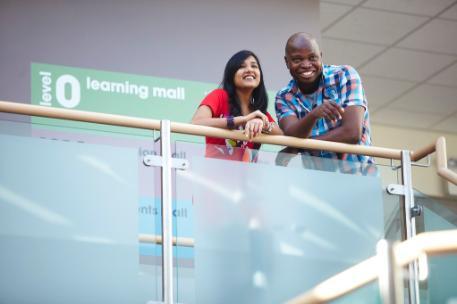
[{"x": 325, "y": 71}]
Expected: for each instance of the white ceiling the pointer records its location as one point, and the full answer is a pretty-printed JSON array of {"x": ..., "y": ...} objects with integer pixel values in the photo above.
[{"x": 406, "y": 53}]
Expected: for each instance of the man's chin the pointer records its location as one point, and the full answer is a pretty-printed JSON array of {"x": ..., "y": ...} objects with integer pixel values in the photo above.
[{"x": 306, "y": 80}]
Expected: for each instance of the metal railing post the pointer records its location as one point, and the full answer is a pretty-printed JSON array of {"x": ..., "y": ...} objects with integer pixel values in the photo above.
[
  {"x": 390, "y": 281},
  {"x": 167, "y": 232},
  {"x": 409, "y": 223}
]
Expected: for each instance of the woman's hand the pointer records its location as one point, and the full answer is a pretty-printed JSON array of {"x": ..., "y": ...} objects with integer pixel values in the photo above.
[
  {"x": 253, "y": 127},
  {"x": 256, "y": 114}
]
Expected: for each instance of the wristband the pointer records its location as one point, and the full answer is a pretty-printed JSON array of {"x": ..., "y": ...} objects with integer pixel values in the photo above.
[
  {"x": 269, "y": 128},
  {"x": 230, "y": 122}
]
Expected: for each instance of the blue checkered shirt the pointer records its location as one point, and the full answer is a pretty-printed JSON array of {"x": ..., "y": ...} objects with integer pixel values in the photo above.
[{"x": 340, "y": 84}]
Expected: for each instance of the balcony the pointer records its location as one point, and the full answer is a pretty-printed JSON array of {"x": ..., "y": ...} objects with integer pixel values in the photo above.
[{"x": 125, "y": 217}]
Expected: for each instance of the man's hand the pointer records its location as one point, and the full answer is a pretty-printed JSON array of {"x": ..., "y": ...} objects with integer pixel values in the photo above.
[{"x": 328, "y": 110}]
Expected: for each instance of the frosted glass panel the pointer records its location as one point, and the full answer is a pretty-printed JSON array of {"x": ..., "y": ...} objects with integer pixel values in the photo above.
[
  {"x": 69, "y": 224},
  {"x": 440, "y": 287},
  {"x": 266, "y": 233}
]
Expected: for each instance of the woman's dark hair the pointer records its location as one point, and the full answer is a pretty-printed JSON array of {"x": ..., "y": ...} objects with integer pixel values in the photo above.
[{"x": 260, "y": 97}]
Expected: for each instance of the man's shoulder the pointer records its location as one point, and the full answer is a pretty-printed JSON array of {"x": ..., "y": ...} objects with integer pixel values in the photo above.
[
  {"x": 283, "y": 91},
  {"x": 340, "y": 70}
]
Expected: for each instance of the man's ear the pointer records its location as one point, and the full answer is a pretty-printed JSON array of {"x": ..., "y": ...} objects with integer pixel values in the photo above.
[{"x": 287, "y": 62}]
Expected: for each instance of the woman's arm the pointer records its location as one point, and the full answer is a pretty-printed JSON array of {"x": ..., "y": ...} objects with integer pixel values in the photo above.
[
  {"x": 204, "y": 116},
  {"x": 276, "y": 130},
  {"x": 271, "y": 127}
]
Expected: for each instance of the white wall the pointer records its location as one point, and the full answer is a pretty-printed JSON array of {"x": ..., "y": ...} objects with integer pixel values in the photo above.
[{"x": 179, "y": 39}]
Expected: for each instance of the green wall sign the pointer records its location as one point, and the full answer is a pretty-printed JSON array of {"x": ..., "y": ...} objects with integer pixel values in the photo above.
[{"x": 115, "y": 93}]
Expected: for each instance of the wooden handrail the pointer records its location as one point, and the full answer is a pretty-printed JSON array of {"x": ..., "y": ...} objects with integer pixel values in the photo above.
[
  {"x": 441, "y": 162},
  {"x": 423, "y": 152},
  {"x": 157, "y": 239},
  {"x": 152, "y": 124},
  {"x": 439, "y": 146},
  {"x": 430, "y": 243},
  {"x": 184, "y": 128}
]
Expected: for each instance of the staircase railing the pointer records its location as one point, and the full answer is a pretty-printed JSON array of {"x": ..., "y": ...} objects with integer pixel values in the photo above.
[{"x": 429, "y": 243}]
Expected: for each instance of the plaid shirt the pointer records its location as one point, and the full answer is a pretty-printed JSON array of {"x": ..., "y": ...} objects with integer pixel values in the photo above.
[{"x": 340, "y": 84}]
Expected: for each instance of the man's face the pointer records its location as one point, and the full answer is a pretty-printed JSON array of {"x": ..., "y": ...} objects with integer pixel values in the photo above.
[{"x": 304, "y": 61}]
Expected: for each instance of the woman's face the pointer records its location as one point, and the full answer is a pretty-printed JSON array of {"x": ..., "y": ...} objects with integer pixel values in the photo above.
[{"x": 248, "y": 75}]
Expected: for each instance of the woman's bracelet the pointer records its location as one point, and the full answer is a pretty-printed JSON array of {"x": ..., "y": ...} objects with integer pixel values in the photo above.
[
  {"x": 269, "y": 127},
  {"x": 230, "y": 122}
]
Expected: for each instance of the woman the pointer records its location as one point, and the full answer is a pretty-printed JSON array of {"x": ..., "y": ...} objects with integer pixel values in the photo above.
[{"x": 241, "y": 103}]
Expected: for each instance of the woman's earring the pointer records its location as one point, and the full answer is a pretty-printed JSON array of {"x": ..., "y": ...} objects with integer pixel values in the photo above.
[{"x": 252, "y": 101}]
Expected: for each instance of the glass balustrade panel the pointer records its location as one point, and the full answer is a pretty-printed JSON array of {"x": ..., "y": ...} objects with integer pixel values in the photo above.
[
  {"x": 439, "y": 286},
  {"x": 264, "y": 232},
  {"x": 73, "y": 204}
]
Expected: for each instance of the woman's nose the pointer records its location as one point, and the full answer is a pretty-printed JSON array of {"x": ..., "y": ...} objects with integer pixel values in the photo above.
[{"x": 249, "y": 68}]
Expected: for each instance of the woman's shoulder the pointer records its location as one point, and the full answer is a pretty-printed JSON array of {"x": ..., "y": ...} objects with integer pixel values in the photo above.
[
  {"x": 217, "y": 100},
  {"x": 216, "y": 96},
  {"x": 219, "y": 92}
]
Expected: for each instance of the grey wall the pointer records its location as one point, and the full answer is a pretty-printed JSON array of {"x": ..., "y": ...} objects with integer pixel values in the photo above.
[{"x": 166, "y": 38}]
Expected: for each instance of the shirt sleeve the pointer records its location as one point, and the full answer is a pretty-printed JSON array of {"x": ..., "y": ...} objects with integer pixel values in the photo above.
[
  {"x": 270, "y": 119},
  {"x": 215, "y": 101},
  {"x": 351, "y": 88},
  {"x": 282, "y": 107}
]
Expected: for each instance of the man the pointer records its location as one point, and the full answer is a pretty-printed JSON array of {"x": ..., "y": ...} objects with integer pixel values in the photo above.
[{"x": 322, "y": 102}]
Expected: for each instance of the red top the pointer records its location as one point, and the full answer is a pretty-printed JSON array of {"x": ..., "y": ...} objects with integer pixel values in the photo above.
[{"x": 218, "y": 102}]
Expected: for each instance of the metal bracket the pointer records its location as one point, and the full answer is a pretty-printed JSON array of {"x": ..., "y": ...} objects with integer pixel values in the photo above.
[
  {"x": 416, "y": 210},
  {"x": 414, "y": 164},
  {"x": 156, "y": 161},
  {"x": 396, "y": 189}
]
